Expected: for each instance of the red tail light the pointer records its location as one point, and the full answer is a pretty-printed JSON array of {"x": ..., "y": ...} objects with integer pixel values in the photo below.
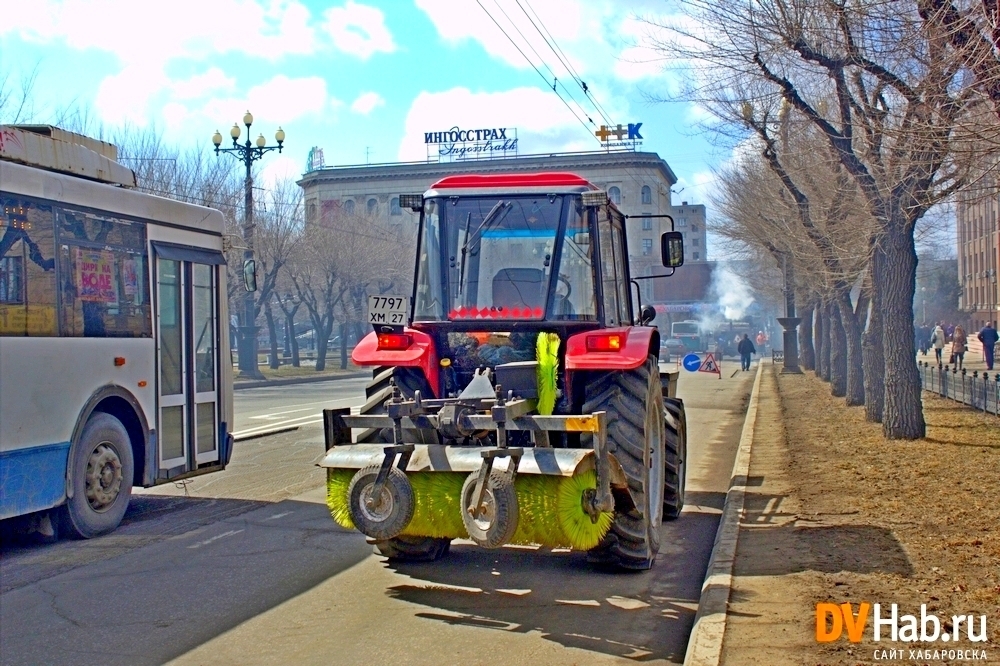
[
  {"x": 604, "y": 343},
  {"x": 394, "y": 341}
]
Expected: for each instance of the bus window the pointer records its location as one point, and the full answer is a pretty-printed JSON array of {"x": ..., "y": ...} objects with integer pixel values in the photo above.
[
  {"x": 27, "y": 269},
  {"x": 103, "y": 277}
]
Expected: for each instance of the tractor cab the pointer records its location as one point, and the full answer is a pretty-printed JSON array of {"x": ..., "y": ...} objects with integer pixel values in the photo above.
[{"x": 501, "y": 258}]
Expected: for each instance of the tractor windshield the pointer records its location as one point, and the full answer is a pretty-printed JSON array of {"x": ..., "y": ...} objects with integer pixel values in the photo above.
[{"x": 492, "y": 257}]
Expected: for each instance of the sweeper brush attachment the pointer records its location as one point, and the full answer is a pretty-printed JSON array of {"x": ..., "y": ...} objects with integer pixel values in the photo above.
[{"x": 551, "y": 508}]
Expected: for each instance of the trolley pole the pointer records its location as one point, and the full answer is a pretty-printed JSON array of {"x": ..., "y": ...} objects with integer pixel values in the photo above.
[{"x": 248, "y": 153}]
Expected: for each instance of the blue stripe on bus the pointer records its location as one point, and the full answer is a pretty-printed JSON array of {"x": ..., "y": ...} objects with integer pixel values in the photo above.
[{"x": 32, "y": 479}]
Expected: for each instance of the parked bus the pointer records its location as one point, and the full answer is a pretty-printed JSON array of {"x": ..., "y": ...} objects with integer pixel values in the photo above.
[
  {"x": 689, "y": 333},
  {"x": 114, "y": 360}
]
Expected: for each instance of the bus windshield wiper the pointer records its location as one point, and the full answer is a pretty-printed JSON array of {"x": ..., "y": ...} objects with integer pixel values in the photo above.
[{"x": 491, "y": 217}]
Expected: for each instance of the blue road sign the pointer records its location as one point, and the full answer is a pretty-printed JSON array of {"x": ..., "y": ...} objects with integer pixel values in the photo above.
[{"x": 691, "y": 362}]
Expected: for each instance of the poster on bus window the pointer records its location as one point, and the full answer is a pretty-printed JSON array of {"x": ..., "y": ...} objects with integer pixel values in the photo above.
[{"x": 95, "y": 276}]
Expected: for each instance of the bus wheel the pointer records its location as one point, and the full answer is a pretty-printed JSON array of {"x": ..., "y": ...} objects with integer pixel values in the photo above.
[{"x": 101, "y": 470}]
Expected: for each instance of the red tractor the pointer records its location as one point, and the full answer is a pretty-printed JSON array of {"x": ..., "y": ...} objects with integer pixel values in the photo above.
[{"x": 517, "y": 396}]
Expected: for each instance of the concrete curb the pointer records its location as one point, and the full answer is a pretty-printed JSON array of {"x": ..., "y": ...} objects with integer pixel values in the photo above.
[
  {"x": 705, "y": 644},
  {"x": 297, "y": 380}
]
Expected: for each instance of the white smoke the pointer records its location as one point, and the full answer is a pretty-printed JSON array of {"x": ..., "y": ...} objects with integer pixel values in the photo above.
[{"x": 731, "y": 294}]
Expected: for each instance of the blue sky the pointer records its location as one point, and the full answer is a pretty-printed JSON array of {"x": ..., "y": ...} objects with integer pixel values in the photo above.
[{"x": 355, "y": 76}]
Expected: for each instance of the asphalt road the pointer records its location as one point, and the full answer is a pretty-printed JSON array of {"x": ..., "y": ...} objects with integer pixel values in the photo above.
[{"x": 246, "y": 567}]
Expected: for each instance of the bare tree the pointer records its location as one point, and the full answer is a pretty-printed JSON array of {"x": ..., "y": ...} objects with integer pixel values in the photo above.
[{"x": 890, "y": 94}]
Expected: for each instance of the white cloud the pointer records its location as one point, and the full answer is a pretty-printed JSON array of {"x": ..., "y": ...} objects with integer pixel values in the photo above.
[
  {"x": 460, "y": 21},
  {"x": 124, "y": 97},
  {"x": 280, "y": 100},
  {"x": 543, "y": 123},
  {"x": 188, "y": 28},
  {"x": 212, "y": 81},
  {"x": 358, "y": 30},
  {"x": 278, "y": 168},
  {"x": 367, "y": 102}
]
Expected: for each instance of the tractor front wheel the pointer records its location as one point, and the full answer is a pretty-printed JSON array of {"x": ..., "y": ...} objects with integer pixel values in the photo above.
[{"x": 634, "y": 406}]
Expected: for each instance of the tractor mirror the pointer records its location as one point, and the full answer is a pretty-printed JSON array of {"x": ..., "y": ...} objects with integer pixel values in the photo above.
[
  {"x": 250, "y": 275},
  {"x": 672, "y": 249},
  {"x": 646, "y": 315}
]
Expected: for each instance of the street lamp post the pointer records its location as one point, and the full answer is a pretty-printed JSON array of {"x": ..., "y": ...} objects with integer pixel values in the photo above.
[{"x": 248, "y": 153}]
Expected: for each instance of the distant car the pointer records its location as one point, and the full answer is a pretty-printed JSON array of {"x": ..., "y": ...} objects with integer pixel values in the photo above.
[{"x": 671, "y": 347}]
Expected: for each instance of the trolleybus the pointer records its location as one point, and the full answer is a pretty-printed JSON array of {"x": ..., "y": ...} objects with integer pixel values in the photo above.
[{"x": 114, "y": 361}]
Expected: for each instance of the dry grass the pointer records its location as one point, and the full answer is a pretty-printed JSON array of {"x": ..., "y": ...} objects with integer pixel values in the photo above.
[{"x": 932, "y": 507}]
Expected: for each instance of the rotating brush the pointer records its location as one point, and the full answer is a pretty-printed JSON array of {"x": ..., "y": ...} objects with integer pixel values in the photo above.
[{"x": 551, "y": 508}]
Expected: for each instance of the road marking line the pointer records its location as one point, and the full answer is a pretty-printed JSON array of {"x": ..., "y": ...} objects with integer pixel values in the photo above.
[
  {"x": 215, "y": 538},
  {"x": 279, "y": 515}
]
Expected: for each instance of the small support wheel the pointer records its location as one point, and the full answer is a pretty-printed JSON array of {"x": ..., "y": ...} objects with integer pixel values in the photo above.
[
  {"x": 496, "y": 523},
  {"x": 385, "y": 515}
]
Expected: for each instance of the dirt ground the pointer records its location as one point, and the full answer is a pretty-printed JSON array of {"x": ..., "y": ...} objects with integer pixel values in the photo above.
[{"x": 835, "y": 513}]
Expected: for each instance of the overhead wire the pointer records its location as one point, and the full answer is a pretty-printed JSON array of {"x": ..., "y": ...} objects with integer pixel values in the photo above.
[
  {"x": 533, "y": 66},
  {"x": 562, "y": 57},
  {"x": 555, "y": 79}
]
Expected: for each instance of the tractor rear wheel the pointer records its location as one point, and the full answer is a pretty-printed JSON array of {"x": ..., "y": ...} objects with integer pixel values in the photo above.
[
  {"x": 634, "y": 406},
  {"x": 676, "y": 458}
]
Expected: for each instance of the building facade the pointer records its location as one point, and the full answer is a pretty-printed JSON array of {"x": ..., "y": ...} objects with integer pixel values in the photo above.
[
  {"x": 690, "y": 219},
  {"x": 639, "y": 184},
  {"x": 979, "y": 252}
]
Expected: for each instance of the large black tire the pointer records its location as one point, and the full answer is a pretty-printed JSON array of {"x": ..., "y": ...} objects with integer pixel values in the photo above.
[
  {"x": 634, "y": 406},
  {"x": 101, "y": 469},
  {"x": 675, "y": 471},
  {"x": 413, "y": 548},
  {"x": 497, "y": 526},
  {"x": 392, "y": 510}
]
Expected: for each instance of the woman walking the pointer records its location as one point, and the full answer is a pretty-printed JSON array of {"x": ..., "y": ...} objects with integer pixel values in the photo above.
[{"x": 959, "y": 345}]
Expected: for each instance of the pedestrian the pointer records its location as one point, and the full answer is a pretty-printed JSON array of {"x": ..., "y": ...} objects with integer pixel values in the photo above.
[
  {"x": 989, "y": 336},
  {"x": 937, "y": 340},
  {"x": 745, "y": 348},
  {"x": 959, "y": 345},
  {"x": 924, "y": 338}
]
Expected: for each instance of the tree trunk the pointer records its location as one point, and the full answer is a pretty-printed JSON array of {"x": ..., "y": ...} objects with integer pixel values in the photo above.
[
  {"x": 855, "y": 370},
  {"x": 272, "y": 335},
  {"x": 344, "y": 328},
  {"x": 871, "y": 351},
  {"x": 902, "y": 414},
  {"x": 293, "y": 342},
  {"x": 807, "y": 354},
  {"x": 838, "y": 351},
  {"x": 822, "y": 342}
]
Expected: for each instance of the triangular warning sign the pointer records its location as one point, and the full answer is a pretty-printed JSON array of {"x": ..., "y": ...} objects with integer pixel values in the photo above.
[{"x": 709, "y": 365}]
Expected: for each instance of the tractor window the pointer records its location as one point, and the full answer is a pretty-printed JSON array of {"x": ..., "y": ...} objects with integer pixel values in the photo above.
[
  {"x": 486, "y": 257},
  {"x": 428, "y": 301},
  {"x": 609, "y": 276},
  {"x": 621, "y": 268},
  {"x": 575, "y": 298}
]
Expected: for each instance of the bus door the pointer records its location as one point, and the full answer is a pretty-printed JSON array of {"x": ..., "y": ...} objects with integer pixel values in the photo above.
[{"x": 187, "y": 328}]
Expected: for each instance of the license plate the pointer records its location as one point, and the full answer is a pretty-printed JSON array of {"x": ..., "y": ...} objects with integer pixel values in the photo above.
[{"x": 387, "y": 310}]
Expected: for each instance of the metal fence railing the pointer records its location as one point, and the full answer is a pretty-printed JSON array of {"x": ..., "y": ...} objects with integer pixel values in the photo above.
[{"x": 977, "y": 390}]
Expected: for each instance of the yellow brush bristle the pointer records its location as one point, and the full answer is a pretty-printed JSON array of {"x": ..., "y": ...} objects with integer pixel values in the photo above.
[
  {"x": 578, "y": 527},
  {"x": 438, "y": 511},
  {"x": 337, "y": 482},
  {"x": 550, "y": 508}
]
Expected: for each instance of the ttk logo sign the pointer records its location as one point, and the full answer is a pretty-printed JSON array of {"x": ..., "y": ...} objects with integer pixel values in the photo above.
[
  {"x": 833, "y": 621},
  {"x": 631, "y": 133}
]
